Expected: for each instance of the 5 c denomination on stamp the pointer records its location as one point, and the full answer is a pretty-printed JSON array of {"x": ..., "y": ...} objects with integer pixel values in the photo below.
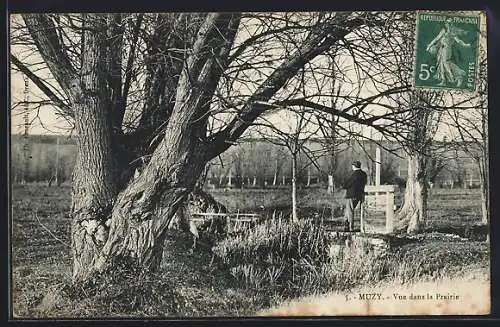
[{"x": 446, "y": 52}]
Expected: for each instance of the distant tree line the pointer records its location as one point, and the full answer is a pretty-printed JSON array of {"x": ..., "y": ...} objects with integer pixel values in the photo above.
[
  {"x": 256, "y": 164},
  {"x": 44, "y": 160}
]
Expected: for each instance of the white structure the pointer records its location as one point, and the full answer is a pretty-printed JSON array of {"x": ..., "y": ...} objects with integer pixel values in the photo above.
[
  {"x": 380, "y": 198},
  {"x": 377, "y": 166}
]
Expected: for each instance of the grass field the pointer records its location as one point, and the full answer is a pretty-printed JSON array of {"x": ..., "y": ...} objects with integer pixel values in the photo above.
[
  {"x": 41, "y": 256},
  {"x": 448, "y": 208}
]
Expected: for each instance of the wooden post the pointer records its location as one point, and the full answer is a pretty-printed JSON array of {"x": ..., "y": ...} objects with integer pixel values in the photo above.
[
  {"x": 229, "y": 182},
  {"x": 377, "y": 175},
  {"x": 57, "y": 162},
  {"x": 361, "y": 220},
  {"x": 389, "y": 212},
  {"x": 377, "y": 166},
  {"x": 330, "y": 184},
  {"x": 228, "y": 223}
]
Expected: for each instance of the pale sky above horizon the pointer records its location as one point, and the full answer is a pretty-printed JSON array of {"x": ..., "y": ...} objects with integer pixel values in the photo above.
[{"x": 46, "y": 121}]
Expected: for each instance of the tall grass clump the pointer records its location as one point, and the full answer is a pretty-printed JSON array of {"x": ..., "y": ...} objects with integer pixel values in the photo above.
[
  {"x": 288, "y": 259},
  {"x": 276, "y": 255}
]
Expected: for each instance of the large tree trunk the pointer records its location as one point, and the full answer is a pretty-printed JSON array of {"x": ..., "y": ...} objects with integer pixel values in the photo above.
[
  {"x": 134, "y": 231},
  {"x": 144, "y": 210},
  {"x": 94, "y": 188},
  {"x": 413, "y": 214}
]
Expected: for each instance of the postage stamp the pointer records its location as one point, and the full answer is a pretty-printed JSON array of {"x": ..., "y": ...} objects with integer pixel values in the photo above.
[{"x": 446, "y": 52}]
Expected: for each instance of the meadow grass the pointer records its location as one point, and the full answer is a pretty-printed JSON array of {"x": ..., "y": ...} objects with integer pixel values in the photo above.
[
  {"x": 253, "y": 269},
  {"x": 286, "y": 259}
]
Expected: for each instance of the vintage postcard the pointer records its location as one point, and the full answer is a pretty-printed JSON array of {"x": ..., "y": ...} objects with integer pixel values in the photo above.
[{"x": 249, "y": 164}]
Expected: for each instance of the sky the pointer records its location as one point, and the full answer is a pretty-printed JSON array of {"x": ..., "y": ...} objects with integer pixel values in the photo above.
[{"x": 45, "y": 120}]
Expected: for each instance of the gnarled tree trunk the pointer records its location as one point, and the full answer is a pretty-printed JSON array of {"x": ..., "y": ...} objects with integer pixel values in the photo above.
[
  {"x": 115, "y": 220},
  {"x": 94, "y": 188},
  {"x": 142, "y": 212},
  {"x": 133, "y": 230},
  {"x": 413, "y": 214}
]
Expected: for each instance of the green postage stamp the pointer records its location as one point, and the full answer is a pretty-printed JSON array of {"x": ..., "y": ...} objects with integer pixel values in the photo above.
[{"x": 446, "y": 52}]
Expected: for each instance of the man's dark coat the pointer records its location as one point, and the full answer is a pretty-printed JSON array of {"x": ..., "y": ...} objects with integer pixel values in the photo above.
[{"x": 355, "y": 185}]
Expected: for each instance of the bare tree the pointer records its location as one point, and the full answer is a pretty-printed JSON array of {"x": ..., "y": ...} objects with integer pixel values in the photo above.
[
  {"x": 413, "y": 213},
  {"x": 295, "y": 139},
  {"x": 163, "y": 94},
  {"x": 329, "y": 127},
  {"x": 471, "y": 126}
]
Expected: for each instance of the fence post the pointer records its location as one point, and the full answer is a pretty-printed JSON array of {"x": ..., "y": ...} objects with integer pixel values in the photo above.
[
  {"x": 361, "y": 220},
  {"x": 389, "y": 212},
  {"x": 230, "y": 177},
  {"x": 377, "y": 166},
  {"x": 228, "y": 223},
  {"x": 237, "y": 221}
]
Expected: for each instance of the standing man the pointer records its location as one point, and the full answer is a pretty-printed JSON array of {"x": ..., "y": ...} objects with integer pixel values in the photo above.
[{"x": 355, "y": 193}]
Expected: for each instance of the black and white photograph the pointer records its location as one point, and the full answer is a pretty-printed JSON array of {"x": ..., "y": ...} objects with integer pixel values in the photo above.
[{"x": 249, "y": 164}]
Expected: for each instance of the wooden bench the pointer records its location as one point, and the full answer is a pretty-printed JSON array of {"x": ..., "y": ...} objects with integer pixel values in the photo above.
[{"x": 235, "y": 218}]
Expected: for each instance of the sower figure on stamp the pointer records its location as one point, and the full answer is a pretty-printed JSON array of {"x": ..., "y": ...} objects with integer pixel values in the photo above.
[
  {"x": 442, "y": 46},
  {"x": 355, "y": 193}
]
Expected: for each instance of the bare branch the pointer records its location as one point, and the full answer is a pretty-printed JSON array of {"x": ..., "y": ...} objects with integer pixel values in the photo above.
[
  {"x": 318, "y": 41},
  {"x": 43, "y": 32},
  {"x": 65, "y": 108}
]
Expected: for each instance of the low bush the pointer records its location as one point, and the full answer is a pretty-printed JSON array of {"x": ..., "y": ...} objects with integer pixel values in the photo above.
[
  {"x": 276, "y": 255},
  {"x": 285, "y": 259}
]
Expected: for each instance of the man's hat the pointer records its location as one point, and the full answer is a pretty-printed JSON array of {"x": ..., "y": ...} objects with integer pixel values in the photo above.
[{"x": 356, "y": 164}]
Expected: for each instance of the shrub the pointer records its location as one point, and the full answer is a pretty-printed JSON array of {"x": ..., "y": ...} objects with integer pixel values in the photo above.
[
  {"x": 273, "y": 241},
  {"x": 276, "y": 254},
  {"x": 287, "y": 259}
]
